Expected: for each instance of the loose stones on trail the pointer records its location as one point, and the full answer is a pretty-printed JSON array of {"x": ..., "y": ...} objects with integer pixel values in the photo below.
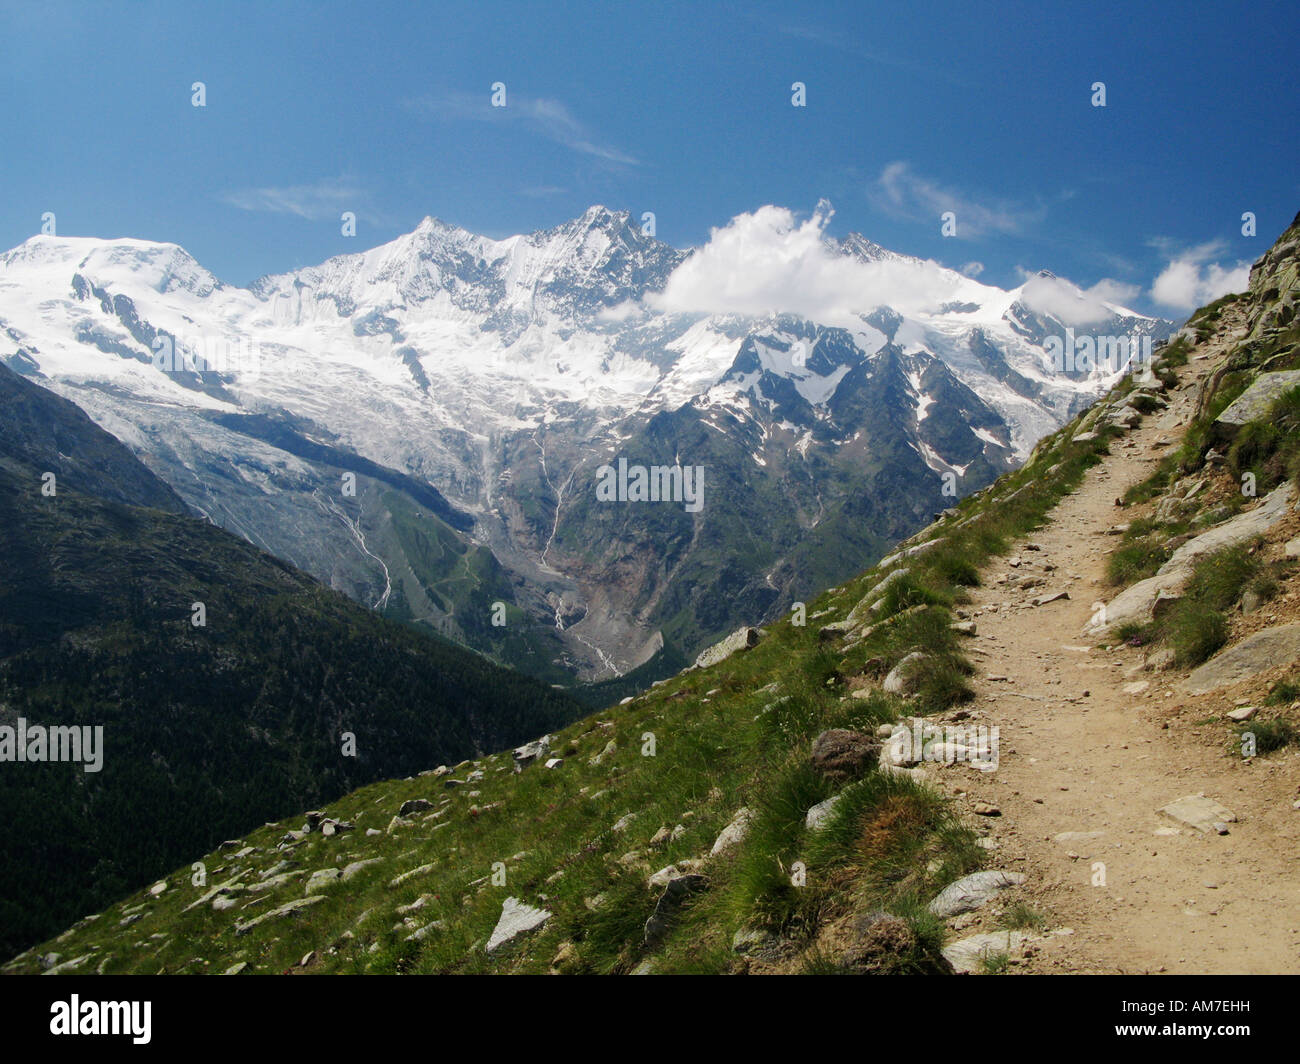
[
  {"x": 973, "y": 892},
  {"x": 1197, "y": 811}
]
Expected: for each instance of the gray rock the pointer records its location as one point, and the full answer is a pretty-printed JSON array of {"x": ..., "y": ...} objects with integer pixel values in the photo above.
[
  {"x": 290, "y": 908},
  {"x": 1135, "y": 604},
  {"x": 516, "y": 919},
  {"x": 326, "y": 877},
  {"x": 818, "y": 816},
  {"x": 528, "y": 753},
  {"x": 355, "y": 867},
  {"x": 741, "y": 639},
  {"x": 414, "y": 805},
  {"x": 734, "y": 833},
  {"x": 972, "y": 892},
  {"x": 1254, "y": 654},
  {"x": 902, "y": 677},
  {"x": 1197, "y": 811},
  {"x": 968, "y": 954},
  {"x": 1253, "y": 404}
]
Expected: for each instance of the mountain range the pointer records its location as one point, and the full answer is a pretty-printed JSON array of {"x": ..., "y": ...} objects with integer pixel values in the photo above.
[{"x": 422, "y": 425}]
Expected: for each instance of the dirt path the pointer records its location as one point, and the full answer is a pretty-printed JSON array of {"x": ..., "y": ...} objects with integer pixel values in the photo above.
[{"x": 1081, "y": 754}]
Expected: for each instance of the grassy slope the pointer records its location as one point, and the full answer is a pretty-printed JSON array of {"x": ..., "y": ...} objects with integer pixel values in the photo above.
[{"x": 737, "y": 734}]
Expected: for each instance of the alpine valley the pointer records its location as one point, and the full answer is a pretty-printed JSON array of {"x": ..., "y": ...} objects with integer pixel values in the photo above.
[{"x": 421, "y": 426}]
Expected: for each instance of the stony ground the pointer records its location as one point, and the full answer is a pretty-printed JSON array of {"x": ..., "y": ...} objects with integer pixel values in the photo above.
[{"x": 1094, "y": 744}]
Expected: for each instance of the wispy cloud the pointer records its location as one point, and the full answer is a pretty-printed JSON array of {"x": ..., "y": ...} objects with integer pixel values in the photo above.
[
  {"x": 326, "y": 198},
  {"x": 540, "y": 116},
  {"x": 841, "y": 42},
  {"x": 900, "y": 192},
  {"x": 1191, "y": 279}
]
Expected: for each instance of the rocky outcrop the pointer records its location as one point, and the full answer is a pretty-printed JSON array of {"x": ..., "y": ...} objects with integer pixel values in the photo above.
[
  {"x": 741, "y": 639},
  {"x": 1254, "y": 654},
  {"x": 1135, "y": 604}
]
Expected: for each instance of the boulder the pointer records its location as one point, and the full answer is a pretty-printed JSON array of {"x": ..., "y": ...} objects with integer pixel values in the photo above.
[
  {"x": 734, "y": 833},
  {"x": 528, "y": 753},
  {"x": 1254, "y": 654},
  {"x": 516, "y": 919},
  {"x": 968, "y": 954},
  {"x": 1136, "y": 604},
  {"x": 741, "y": 639},
  {"x": 973, "y": 892},
  {"x": 1197, "y": 811},
  {"x": 414, "y": 805},
  {"x": 1254, "y": 403},
  {"x": 819, "y": 815},
  {"x": 903, "y": 677}
]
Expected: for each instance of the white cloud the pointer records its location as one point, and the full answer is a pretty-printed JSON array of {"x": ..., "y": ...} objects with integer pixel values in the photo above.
[
  {"x": 973, "y": 269},
  {"x": 1111, "y": 291},
  {"x": 1066, "y": 301},
  {"x": 544, "y": 117},
  {"x": 1191, "y": 280},
  {"x": 324, "y": 199},
  {"x": 900, "y": 192},
  {"x": 768, "y": 262}
]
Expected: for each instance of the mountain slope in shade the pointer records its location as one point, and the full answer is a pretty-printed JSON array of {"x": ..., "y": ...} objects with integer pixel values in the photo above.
[
  {"x": 208, "y": 730},
  {"x": 474, "y": 387}
]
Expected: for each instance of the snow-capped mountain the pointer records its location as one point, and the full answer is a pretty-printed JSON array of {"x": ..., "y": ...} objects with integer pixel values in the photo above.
[{"x": 422, "y": 425}]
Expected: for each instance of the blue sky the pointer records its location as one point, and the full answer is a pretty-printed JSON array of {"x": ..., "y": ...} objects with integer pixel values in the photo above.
[{"x": 683, "y": 109}]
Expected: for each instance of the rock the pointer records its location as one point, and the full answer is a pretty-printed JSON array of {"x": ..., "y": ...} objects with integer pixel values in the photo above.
[
  {"x": 623, "y": 822},
  {"x": 425, "y": 931},
  {"x": 818, "y": 816},
  {"x": 516, "y": 919},
  {"x": 734, "y": 833},
  {"x": 554, "y": 762},
  {"x": 973, "y": 892},
  {"x": 902, "y": 677},
  {"x": 158, "y": 888},
  {"x": 968, "y": 954},
  {"x": 356, "y": 866},
  {"x": 1071, "y": 837},
  {"x": 1243, "y": 714},
  {"x": 236, "y": 969},
  {"x": 326, "y": 877},
  {"x": 841, "y": 755},
  {"x": 1293, "y": 548},
  {"x": 1254, "y": 403},
  {"x": 909, "y": 552},
  {"x": 741, "y": 639},
  {"x": 290, "y": 908},
  {"x": 414, "y": 805},
  {"x": 963, "y": 627},
  {"x": 1083, "y": 437},
  {"x": 610, "y": 748},
  {"x": 675, "y": 893},
  {"x": 1054, "y": 596},
  {"x": 1135, "y": 604},
  {"x": 1251, "y": 601},
  {"x": 1254, "y": 654},
  {"x": 1199, "y": 812},
  {"x": 528, "y": 753},
  {"x": 397, "y": 881},
  {"x": 986, "y": 809}
]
